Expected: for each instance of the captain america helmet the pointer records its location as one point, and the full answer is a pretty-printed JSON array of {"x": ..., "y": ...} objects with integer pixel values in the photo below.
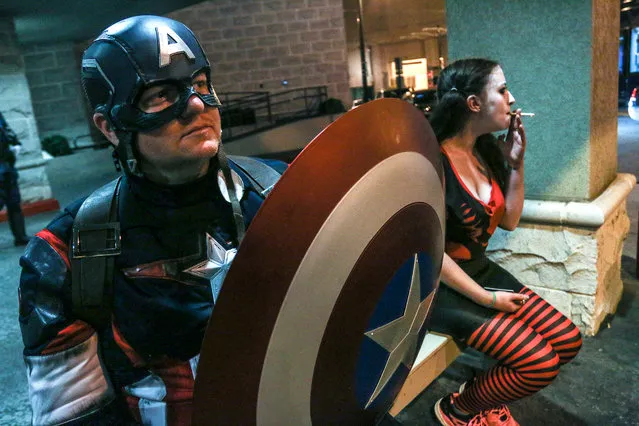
[{"x": 138, "y": 53}]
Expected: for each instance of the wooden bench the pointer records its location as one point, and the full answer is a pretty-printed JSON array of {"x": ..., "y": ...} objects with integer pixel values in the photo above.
[{"x": 437, "y": 352}]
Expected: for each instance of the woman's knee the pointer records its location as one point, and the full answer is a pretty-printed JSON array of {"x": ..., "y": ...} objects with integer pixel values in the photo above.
[
  {"x": 569, "y": 346},
  {"x": 543, "y": 371}
]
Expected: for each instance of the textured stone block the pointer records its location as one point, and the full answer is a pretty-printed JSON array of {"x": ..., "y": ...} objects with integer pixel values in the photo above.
[
  {"x": 265, "y": 18},
  {"x": 243, "y": 20},
  {"x": 577, "y": 270},
  {"x": 40, "y": 61},
  {"x": 52, "y": 92},
  {"x": 255, "y": 31},
  {"x": 306, "y": 14},
  {"x": 296, "y": 27},
  {"x": 274, "y": 5},
  {"x": 252, "y": 8},
  {"x": 319, "y": 25}
]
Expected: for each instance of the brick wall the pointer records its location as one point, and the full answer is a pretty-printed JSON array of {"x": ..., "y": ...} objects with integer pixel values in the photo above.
[
  {"x": 254, "y": 45},
  {"x": 53, "y": 72},
  {"x": 15, "y": 105}
]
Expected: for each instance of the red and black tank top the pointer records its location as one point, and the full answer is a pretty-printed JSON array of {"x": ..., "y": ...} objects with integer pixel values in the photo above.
[{"x": 469, "y": 221}]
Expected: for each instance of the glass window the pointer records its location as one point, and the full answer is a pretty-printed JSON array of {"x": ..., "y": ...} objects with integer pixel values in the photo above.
[
  {"x": 621, "y": 39},
  {"x": 634, "y": 50}
]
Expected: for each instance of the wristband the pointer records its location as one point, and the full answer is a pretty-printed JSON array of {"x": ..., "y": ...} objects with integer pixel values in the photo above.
[{"x": 494, "y": 300}]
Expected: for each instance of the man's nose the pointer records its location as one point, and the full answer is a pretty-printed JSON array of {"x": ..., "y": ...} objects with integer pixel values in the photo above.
[{"x": 194, "y": 106}]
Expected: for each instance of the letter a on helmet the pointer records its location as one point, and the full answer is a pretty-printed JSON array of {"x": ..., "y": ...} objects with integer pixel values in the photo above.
[{"x": 168, "y": 48}]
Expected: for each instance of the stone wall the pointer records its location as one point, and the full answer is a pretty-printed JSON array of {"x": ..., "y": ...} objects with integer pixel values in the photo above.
[
  {"x": 15, "y": 105},
  {"x": 53, "y": 72},
  {"x": 577, "y": 270},
  {"x": 254, "y": 45}
]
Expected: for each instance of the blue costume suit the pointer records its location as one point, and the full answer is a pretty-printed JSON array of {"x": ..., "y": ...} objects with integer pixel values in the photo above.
[{"x": 140, "y": 368}]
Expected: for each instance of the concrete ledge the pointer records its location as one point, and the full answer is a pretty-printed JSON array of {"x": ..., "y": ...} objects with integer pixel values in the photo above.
[
  {"x": 30, "y": 163},
  {"x": 437, "y": 352},
  {"x": 592, "y": 214},
  {"x": 30, "y": 209}
]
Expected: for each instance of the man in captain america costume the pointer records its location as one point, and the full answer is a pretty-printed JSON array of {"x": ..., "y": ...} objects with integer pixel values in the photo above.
[{"x": 181, "y": 211}]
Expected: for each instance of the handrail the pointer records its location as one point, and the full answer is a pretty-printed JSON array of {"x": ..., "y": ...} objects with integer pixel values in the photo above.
[{"x": 243, "y": 113}]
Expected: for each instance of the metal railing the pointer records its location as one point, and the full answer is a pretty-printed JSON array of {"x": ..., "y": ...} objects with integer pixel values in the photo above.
[{"x": 245, "y": 113}]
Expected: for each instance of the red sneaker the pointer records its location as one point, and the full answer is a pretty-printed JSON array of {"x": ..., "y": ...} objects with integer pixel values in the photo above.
[
  {"x": 499, "y": 416},
  {"x": 447, "y": 417}
]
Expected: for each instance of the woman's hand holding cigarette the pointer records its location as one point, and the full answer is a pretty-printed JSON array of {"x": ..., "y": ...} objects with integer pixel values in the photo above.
[{"x": 514, "y": 142}]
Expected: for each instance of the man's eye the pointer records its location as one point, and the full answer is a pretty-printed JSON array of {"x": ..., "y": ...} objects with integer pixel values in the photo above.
[
  {"x": 158, "y": 99},
  {"x": 159, "y": 96},
  {"x": 200, "y": 86}
]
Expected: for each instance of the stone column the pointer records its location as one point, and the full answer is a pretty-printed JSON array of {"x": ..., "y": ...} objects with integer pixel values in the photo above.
[
  {"x": 15, "y": 104},
  {"x": 560, "y": 63}
]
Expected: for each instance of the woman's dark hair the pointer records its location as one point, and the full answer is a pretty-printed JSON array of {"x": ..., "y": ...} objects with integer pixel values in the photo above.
[{"x": 456, "y": 82}]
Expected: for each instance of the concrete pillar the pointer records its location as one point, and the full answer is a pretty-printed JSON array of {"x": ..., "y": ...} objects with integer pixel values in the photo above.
[
  {"x": 15, "y": 104},
  {"x": 560, "y": 63}
]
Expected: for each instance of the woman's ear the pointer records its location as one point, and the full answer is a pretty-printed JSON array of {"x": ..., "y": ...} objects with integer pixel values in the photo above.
[
  {"x": 474, "y": 103},
  {"x": 105, "y": 127}
]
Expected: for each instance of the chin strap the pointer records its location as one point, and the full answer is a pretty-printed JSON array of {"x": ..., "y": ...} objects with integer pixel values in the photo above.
[
  {"x": 126, "y": 155},
  {"x": 238, "y": 217}
]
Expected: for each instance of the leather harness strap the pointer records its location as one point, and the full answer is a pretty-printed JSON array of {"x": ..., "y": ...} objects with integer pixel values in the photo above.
[{"x": 96, "y": 240}]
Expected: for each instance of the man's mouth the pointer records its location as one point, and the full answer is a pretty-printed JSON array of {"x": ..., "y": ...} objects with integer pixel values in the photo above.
[{"x": 199, "y": 129}]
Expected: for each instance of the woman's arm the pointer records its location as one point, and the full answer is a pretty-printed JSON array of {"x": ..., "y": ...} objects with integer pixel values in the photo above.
[
  {"x": 455, "y": 277},
  {"x": 514, "y": 199},
  {"x": 514, "y": 148}
]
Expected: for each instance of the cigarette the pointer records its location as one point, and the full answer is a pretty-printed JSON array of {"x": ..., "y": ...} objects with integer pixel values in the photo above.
[{"x": 525, "y": 114}]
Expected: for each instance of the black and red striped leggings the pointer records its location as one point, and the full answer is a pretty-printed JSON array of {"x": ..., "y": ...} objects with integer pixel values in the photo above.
[{"x": 530, "y": 345}]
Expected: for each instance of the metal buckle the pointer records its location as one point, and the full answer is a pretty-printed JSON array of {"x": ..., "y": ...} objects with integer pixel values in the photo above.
[{"x": 84, "y": 244}]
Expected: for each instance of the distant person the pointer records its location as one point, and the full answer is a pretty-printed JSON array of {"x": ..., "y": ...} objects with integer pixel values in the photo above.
[
  {"x": 10, "y": 148},
  {"x": 479, "y": 303},
  {"x": 113, "y": 311}
]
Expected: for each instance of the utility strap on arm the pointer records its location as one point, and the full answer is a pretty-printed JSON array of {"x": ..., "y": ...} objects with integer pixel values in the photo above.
[
  {"x": 95, "y": 243},
  {"x": 263, "y": 176}
]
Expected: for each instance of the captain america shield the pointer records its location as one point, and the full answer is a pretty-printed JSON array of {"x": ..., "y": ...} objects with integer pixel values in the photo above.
[{"x": 326, "y": 304}]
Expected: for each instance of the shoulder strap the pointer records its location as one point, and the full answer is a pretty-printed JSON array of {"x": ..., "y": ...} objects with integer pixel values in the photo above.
[
  {"x": 263, "y": 176},
  {"x": 95, "y": 243}
]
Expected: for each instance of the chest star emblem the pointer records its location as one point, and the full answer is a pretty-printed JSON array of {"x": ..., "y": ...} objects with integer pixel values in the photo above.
[
  {"x": 400, "y": 336},
  {"x": 216, "y": 266}
]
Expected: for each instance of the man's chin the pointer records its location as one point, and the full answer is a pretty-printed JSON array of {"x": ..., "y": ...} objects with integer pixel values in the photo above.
[{"x": 207, "y": 149}]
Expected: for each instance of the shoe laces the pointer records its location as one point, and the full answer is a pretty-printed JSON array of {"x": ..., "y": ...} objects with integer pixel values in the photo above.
[
  {"x": 478, "y": 420},
  {"x": 500, "y": 416}
]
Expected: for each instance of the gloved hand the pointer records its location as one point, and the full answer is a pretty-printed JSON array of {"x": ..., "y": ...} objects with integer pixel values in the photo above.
[{"x": 15, "y": 149}]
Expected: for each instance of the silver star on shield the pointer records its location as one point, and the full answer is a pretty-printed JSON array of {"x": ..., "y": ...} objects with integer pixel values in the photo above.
[
  {"x": 215, "y": 267},
  {"x": 399, "y": 337}
]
